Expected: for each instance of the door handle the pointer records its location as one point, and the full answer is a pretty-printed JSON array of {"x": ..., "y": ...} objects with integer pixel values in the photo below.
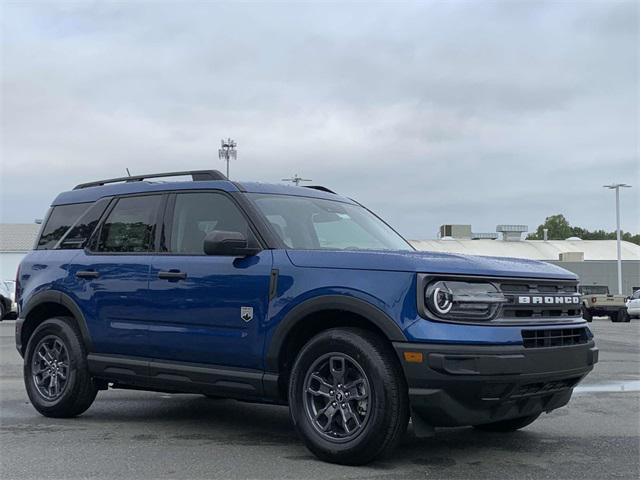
[
  {"x": 172, "y": 275},
  {"x": 87, "y": 274}
]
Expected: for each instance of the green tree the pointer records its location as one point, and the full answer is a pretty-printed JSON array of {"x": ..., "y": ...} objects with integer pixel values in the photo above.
[{"x": 560, "y": 229}]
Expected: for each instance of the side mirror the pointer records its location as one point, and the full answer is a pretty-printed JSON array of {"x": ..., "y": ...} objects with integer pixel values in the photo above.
[{"x": 229, "y": 244}]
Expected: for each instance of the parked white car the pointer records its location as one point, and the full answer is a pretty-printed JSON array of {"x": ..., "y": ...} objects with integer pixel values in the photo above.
[
  {"x": 633, "y": 305},
  {"x": 7, "y": 299}
]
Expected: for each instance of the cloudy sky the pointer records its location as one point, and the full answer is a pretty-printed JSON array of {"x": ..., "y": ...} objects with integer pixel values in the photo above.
[{"x": 428, "y": 112}]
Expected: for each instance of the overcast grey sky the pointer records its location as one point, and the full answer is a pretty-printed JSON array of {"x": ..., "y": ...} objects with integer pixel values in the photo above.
[{"x": 428, "y": 112}]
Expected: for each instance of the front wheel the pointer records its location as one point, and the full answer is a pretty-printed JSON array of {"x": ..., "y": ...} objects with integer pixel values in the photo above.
[
  {"x": 56, "y": 374},
  {"x": 510, "y": 425},
  {"x": 348, "y": 398}
]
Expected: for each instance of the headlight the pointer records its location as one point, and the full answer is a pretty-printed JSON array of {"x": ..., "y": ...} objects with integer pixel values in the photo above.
[{"x": 455, "y": 300}]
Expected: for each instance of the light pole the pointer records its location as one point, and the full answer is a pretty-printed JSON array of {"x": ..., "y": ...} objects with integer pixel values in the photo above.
[
  {"x": 296, "y": 179},
  {"x": 227, "y": 151},
  {"x": 617, "y": 187}
]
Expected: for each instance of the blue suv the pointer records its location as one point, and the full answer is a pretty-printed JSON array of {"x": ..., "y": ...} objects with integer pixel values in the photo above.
[{"x": 289, "y": 295}]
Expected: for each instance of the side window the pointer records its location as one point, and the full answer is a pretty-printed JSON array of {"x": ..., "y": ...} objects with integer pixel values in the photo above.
[
  {"x": 196, "y": 214},
  {"x": 59, "y": 220},
  {"x": 78, "y": 235},
  {"x": 130, "y": 226}
]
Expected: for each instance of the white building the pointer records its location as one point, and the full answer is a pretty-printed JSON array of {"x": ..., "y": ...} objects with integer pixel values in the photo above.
[
  {"x": 16, "y": 239},
  {"x": 594, "y": 261}
]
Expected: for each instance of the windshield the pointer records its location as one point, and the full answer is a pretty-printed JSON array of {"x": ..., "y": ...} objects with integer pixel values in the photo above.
[{"x": 316, "y": 224}]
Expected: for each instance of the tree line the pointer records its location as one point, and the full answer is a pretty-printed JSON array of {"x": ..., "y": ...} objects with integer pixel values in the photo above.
[{"x": 560, "y": 229}]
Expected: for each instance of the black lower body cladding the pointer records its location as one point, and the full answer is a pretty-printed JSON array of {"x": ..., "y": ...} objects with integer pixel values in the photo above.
[{"x": 470, "y": 385}]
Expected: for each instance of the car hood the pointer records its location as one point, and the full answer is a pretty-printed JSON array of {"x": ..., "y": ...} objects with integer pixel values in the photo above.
[{"x": 428, "y": 262}]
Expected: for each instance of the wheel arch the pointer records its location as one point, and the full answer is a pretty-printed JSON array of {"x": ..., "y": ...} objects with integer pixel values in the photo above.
[
  {"x": 319, "y": 314},
  {"x": 49, "y": 304}
]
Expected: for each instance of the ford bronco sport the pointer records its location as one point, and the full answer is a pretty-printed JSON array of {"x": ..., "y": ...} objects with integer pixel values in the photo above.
[{"x": 289, "y": 295}]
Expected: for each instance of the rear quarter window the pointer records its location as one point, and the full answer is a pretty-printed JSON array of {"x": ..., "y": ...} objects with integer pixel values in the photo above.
[
  {"x": 59, "y": 220},
  {"x": 79, "y": 233}
]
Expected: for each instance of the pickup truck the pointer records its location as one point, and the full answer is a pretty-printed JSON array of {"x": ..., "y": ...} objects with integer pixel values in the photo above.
[{"x": 598, "y": 302}]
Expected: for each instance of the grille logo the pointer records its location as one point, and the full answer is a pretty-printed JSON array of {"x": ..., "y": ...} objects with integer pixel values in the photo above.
[{"x": 548, "y": 300}]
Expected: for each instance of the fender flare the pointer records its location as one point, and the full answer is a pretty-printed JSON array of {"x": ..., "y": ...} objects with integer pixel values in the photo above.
[
  {"x": 329, "y": 302},
  {"x": 55, "y": 296}
]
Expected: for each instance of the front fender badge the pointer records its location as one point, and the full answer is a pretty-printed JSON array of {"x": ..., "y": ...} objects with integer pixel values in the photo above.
[{"x": 246, "y": 313}]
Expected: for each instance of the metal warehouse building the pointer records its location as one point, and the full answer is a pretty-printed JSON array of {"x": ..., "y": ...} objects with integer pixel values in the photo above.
[{"x": 594, "y": 261}]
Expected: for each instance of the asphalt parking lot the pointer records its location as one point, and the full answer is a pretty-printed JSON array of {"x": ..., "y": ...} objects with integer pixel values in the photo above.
[{"x": 128, "y": 434}]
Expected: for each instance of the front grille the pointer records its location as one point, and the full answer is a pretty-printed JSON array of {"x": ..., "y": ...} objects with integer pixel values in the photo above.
[
  {"x": 557, "y": 337},
  {"x": 544, "y": 290}
]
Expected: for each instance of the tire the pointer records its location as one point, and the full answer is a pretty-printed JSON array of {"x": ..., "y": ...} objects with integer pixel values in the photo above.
[
  {"x": 614, "y": 317},
  {"x": 2, "y": 310},
  {"x": 510, "y": 425},
  {"x": 373, "y": 399},
  {"x": 623, "y": 316},
  {"x": 586, "y": 314},
  {"x": 56, "y": 346}
]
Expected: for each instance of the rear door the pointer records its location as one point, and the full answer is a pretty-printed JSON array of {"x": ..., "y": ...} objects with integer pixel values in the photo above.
[
  {"x": 207, "y": 309},
  {"x": 112, "y": 276}
]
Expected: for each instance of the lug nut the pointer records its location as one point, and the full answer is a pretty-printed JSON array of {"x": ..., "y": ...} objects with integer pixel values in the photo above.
[{"x": 343, "y": 405}]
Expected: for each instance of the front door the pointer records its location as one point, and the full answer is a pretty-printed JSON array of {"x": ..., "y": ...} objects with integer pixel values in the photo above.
[{"x": 207, "y": 309}]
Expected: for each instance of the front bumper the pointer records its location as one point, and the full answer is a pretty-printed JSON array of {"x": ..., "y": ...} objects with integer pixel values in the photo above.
[{"x": 468, "y": 385}]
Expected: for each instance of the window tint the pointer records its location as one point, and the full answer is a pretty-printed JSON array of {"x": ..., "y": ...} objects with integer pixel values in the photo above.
[
  {"x": 78, "y": 235},
  {"x": 58, "y": 222},
  {"x": 196, "y": 214},
  {"x": 130, "y": 225}
]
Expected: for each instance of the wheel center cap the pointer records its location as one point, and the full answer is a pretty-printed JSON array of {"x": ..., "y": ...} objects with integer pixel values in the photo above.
[{"x": 339, "y": 396}]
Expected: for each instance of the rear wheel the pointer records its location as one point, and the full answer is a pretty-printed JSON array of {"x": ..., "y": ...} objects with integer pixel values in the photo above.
[
  {"x": 56, "y": 374},
  {"x": 614, "y": 317},
  {"x": 510, "y": 425},
  {"x": 2, "y": 310},
  {"x": 586, "y": 314},
  {"x": 348, "y": 397}
]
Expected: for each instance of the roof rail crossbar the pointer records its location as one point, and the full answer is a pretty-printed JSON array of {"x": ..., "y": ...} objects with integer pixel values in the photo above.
[
  {"x": 196, "y": 176},
  {"x": 320, "y": 187}
]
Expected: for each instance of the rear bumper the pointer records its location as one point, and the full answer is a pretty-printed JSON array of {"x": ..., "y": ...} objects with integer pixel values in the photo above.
[
  {"x": 469, "y": 385},
  {"x": 604, "y": 310}
]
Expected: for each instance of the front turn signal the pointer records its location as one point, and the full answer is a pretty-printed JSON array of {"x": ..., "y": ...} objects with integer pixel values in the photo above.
[{"x": 413, "y": 357}]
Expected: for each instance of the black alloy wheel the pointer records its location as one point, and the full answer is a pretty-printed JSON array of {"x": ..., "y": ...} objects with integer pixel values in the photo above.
[
  {"x": 337, "y": 396},
  {"x": 50, "y": 367},
  {"x": 348, "y": 397},
  {"x": 56, "y": 372}
]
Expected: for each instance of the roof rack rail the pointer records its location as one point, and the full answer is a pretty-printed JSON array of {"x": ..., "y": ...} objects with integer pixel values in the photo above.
[
  {"x": 196, "y": 176},
  {"x": 321, "y": 188}
]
